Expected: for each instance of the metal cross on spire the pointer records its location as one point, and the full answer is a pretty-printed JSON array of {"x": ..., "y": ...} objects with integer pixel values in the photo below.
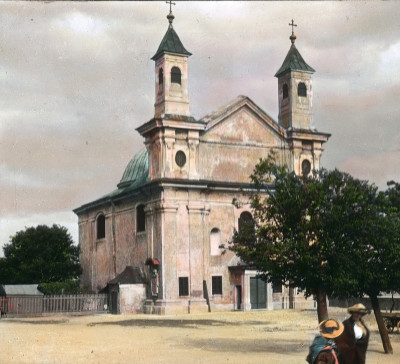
[
  {"x": 170, "y": 16},
  {"x": 292, "y": 37},
  {"x": 170, "y": 5},
  {"x": 292, "y": 24}
]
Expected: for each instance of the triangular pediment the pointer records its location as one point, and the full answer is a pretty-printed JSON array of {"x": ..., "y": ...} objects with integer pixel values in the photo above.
[{"x": 241, "y": 121}]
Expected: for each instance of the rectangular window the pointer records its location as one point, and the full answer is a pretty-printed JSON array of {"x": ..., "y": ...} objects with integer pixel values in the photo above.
[
  {"x": 276, "y": 287},
  {"x": 216, "y": 284},
  {"x": 183, "y": 286}
]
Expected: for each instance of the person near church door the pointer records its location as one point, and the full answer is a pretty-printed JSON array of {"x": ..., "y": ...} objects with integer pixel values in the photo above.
[{"x": 354, "y": 341}]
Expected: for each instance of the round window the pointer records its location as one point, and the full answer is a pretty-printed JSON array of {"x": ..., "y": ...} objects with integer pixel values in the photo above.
[
  {"x": 180, "y": 158},
  {"x": 305, "y": 167}
]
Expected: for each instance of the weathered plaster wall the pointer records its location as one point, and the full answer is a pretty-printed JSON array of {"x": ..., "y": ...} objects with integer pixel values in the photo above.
[
  {"x": 230, "y": 150},
  {"x": 132, "y": 297}
]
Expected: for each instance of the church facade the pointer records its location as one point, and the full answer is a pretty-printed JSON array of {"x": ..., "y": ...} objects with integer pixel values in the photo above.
[{"x": 181, "y": 198}]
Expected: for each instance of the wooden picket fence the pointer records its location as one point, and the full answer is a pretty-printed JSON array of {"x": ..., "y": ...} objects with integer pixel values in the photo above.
[{"x": 34, "y": 305}]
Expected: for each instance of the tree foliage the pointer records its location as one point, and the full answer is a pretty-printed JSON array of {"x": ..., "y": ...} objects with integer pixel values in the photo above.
[
  {"x": 65, "y": 287},
  {"x": 40, "y": 254},
  {"x": 329, "y": 232}
]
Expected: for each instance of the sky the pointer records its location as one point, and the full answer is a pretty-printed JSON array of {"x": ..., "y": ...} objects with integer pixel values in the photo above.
[{"x": 76, "y": 80}]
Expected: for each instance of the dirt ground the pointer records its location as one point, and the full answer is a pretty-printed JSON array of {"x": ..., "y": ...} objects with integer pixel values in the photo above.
[{"x": 233, "y": 337}]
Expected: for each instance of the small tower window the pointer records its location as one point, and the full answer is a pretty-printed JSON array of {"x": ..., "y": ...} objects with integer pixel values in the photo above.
[
  {"x": 285, "y": 91},
  {"x": 101, "y": 227},
  {"x": 140, "y": 219},
  {"x": 302, "y": 89},
  {"x": 161, "y": 78},
  {"x": 175, "y": 75}
]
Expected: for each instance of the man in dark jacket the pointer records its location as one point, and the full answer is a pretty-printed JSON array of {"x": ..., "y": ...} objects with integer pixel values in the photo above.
[{"x": 354, "y": 341}]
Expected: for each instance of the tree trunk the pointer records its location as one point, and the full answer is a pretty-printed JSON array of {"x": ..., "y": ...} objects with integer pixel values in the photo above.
[
  {"x": 322, "y": 308},
  {"x": 387, "y": 346}
]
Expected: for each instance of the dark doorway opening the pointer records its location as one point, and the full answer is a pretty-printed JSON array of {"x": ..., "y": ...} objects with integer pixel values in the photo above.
[
  {"x": 238, "y": 297},
  {"x": 114, "y": 303}
]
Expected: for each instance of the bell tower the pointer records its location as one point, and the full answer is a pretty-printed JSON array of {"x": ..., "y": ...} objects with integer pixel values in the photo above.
[
  {"x": 295, "y": 112},
  {"x": 172, "y": 135},
  {"x": 171, "y": 75},
  {"x": 295, "y": 89}
]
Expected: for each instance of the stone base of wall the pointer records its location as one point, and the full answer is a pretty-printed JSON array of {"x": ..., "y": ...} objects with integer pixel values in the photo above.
[
  {"x": 198, "y": 305},
  {"x": 170, "y": 307},
  {"x": 221, "y": 307},
  {"x": 165, "y": 307}
]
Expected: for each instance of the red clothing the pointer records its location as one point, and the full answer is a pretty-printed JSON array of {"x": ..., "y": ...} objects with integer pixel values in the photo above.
[{"x": 325, "y": 357}]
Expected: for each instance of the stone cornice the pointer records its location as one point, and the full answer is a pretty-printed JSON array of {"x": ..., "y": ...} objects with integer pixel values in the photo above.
[
  {"x": 198, "y": 208},
  {"x": 171, "y": 121},
  {"x": 302, "y": 134}
]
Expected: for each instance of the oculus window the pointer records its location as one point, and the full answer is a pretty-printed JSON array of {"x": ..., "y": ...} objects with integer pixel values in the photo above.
[{"x": 180, "y": 158}]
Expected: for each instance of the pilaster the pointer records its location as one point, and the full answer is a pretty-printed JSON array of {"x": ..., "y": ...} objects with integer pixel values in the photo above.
[{"x": 197, "y": 212}]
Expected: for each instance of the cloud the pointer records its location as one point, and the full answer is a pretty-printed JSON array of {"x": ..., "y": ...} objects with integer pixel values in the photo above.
[
  {"x": 378, "y": 168},
  {"x": 76, "y": 79},
  {"x": 83, "y": 24}
]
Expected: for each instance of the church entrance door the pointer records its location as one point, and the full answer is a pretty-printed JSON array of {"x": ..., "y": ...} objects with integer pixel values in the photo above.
[{"x": 258, "y": 293}]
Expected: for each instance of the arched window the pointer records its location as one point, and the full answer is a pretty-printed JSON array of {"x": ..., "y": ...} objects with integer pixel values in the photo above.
[
  {"x": 140, "y": 219},
  {"x": 101, "y": 226},
  {"x": 245, "y": 221},
  {"x": 175, "y": 75},
  {"x": 215, "y": 241},
  {"x": 285, "y": 91},
  {"x": 302, "y": 89},
  {"x": 161, "y": 78}
]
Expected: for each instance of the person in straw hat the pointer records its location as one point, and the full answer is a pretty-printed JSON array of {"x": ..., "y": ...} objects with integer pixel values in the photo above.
[
  {"x": 323, "y": 350},
  {"x": 354, "y": 341}
]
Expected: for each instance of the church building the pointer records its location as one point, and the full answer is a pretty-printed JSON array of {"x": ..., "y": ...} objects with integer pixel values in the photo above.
[{"x": 183, "y": 195}]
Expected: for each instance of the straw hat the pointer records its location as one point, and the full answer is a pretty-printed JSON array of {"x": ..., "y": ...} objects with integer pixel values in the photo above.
[
  {"x": 330, "y": 329},
  {"x": 358, "y": 308}
]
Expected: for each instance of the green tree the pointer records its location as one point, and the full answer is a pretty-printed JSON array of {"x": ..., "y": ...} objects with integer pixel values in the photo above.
[
  {"x": 41, "y": 254},
  {"x": 66, "y": 287},
  {"x": 327, "y": 234},
  {"x": 392, "y": 195}
]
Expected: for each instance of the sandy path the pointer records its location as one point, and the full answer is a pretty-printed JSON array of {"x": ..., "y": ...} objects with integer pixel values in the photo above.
[{"x": 234, "y": 337}]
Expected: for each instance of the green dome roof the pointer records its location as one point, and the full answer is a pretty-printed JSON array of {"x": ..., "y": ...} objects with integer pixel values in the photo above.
[{"x": 137, "y": 170}]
